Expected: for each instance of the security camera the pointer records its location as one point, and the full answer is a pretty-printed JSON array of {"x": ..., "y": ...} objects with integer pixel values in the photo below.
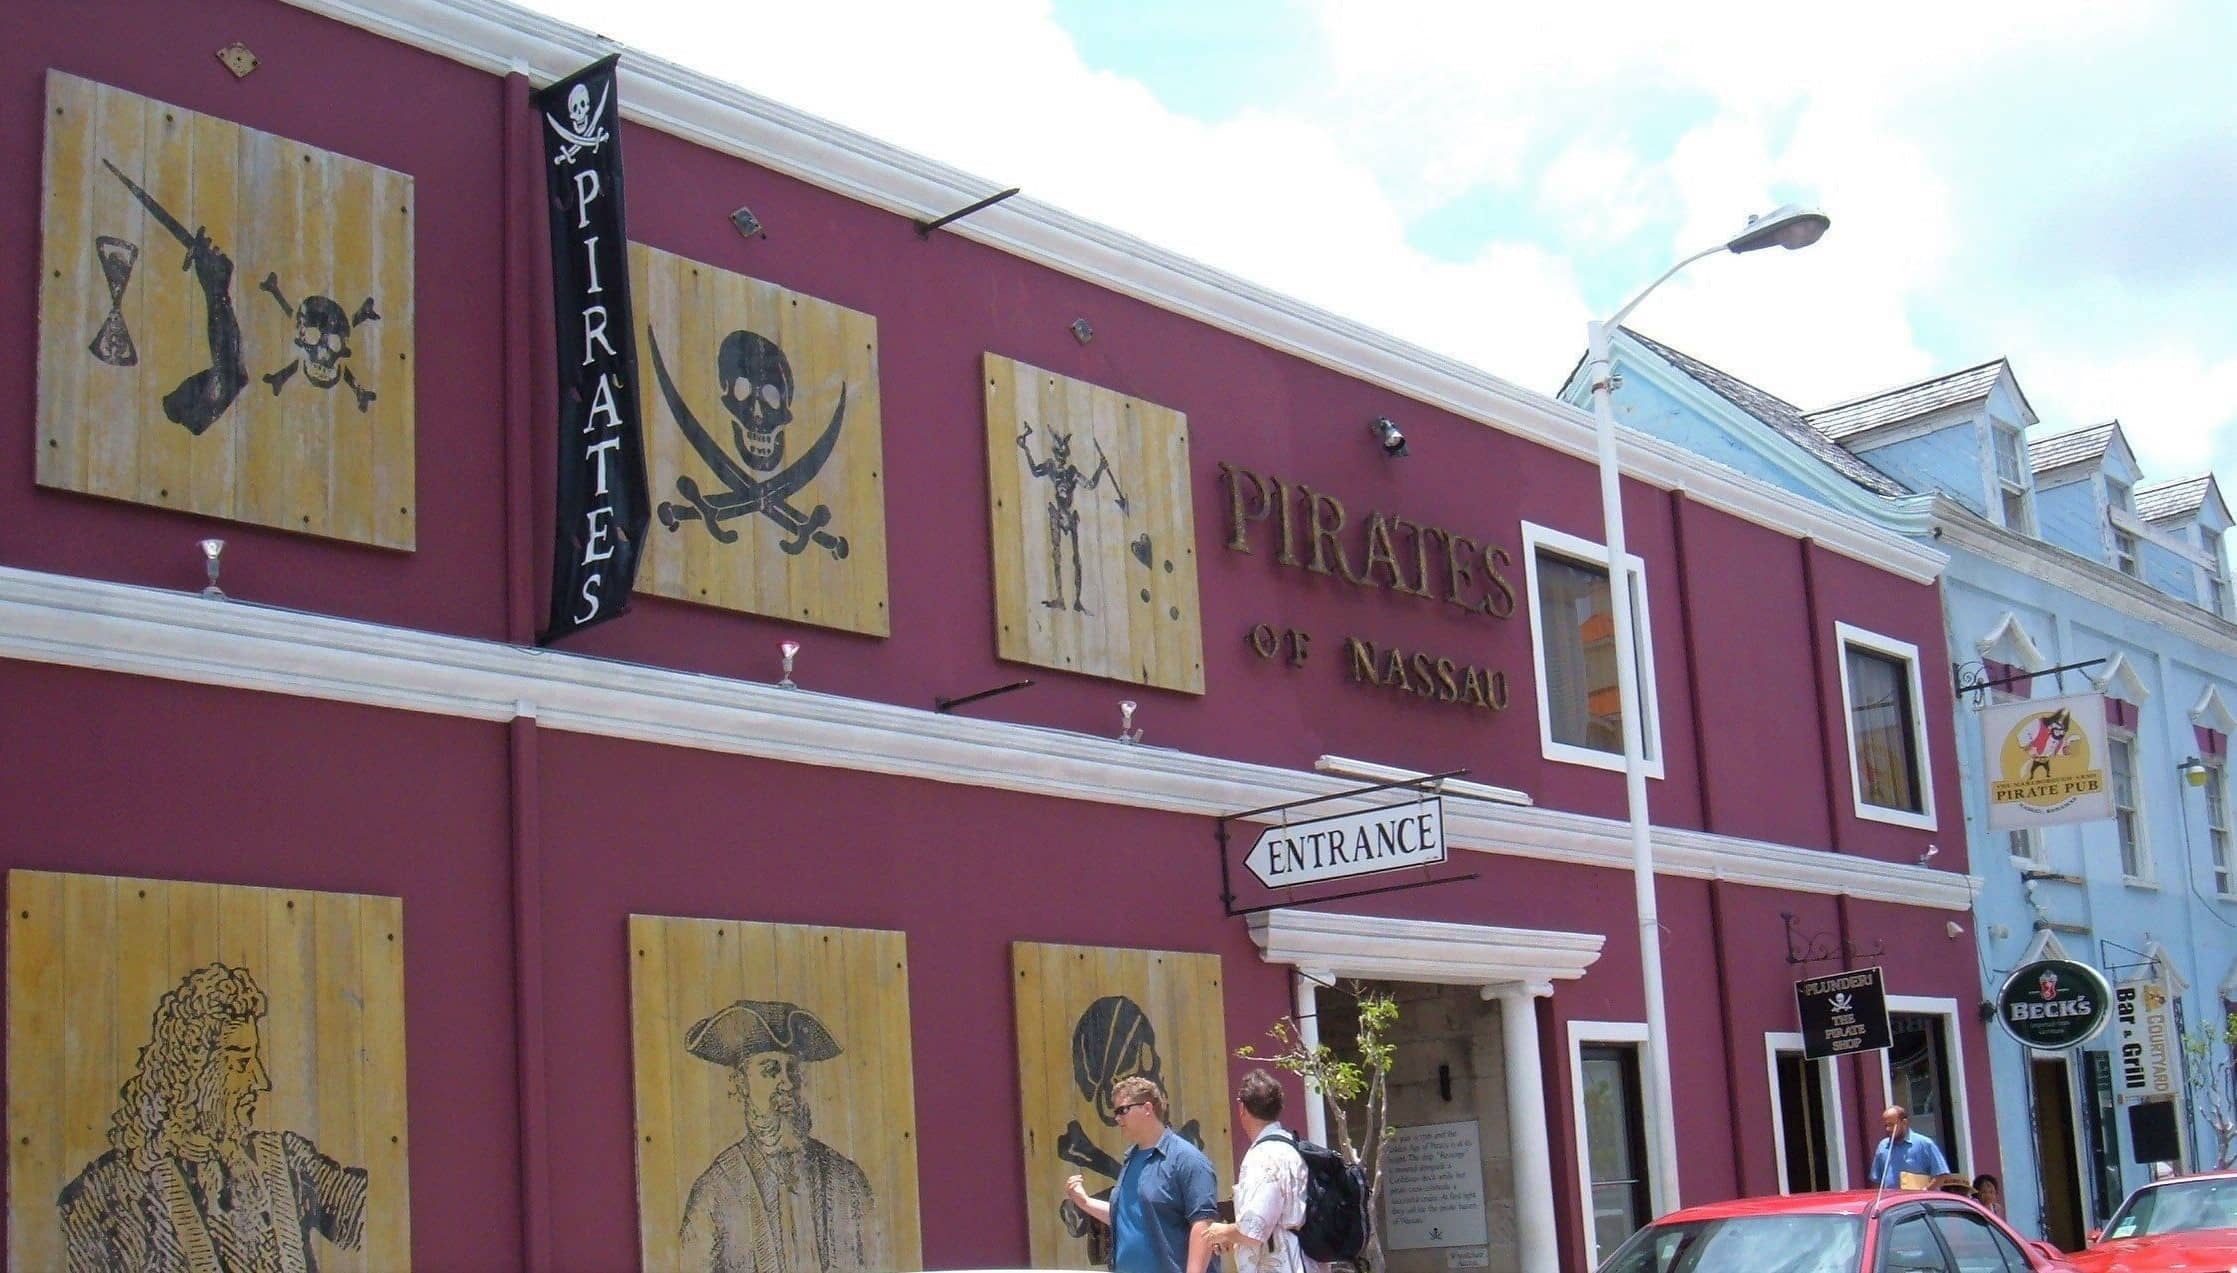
[
  {"x": 1954, "y": 929},
  {"x": 1393, "y": 441}
]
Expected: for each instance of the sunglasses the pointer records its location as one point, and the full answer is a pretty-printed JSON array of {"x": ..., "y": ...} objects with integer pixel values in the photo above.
[{"x": 1120, "y": 1111}]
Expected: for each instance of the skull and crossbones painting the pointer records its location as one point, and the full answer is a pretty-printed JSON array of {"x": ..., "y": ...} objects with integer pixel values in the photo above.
[
  {"x": 1112, "y": 1040},
  {"x": 585, "y": 129},
  {"x": 322, "y": 342},
  {"x": 1066, "y": 480},
  {"x": 757, "y": 391}
]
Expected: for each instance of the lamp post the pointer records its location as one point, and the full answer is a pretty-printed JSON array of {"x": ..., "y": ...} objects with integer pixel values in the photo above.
[{"x": 1789, "y": 227}]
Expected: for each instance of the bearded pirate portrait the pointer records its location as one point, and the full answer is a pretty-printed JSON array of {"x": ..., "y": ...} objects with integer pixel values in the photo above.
[
  {"x": 189, "y": 1182},
  {"x": 778, "y": 1198}
]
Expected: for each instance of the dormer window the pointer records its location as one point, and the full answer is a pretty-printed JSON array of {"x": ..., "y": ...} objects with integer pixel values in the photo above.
[
  {"x": 2217, "y": 574},
  {"x": 2124, "y": 552},
  {"x": 2117, "y": 496},
  {"x": 2011, "y": 481}
]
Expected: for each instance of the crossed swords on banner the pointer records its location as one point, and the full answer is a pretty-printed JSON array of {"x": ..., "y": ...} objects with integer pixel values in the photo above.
[{"x": 744, "y": 495}]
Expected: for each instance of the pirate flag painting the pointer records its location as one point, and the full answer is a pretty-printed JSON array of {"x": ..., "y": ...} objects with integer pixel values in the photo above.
[
  {"x": 1094, "y": 543},
  {"x": 766, "y": 446},
  {"x": 1089, "y": 1016},
  {"x": 226, "y": 320}
]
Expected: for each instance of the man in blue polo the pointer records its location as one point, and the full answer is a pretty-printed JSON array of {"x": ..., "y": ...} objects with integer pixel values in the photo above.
[
  {"x": 1166, "y": 1196},
  {"x": 1905, "y": 1153}
]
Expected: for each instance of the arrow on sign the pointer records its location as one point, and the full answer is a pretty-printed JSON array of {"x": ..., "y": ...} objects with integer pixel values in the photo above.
[{"x": 1350, "y": 844}]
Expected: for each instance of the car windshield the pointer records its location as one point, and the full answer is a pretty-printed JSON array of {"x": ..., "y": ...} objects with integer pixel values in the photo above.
[
  {"x": 2177, "y": 1207},
  {"x": 1744, "y": 1244}
]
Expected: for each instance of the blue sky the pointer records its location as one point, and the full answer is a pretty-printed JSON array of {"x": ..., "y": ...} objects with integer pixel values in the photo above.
[{"x": 2051, "y": 182}]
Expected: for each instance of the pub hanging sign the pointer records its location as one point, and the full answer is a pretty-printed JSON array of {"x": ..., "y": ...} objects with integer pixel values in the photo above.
[
  {"x": 602, "y": 510},
  {"x": 2055, "y": 1004}
]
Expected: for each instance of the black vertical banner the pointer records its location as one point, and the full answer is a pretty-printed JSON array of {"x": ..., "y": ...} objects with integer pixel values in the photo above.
[{"x": 602, "y": 491}]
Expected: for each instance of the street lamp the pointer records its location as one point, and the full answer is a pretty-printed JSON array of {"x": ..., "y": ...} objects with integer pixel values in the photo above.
[{"x": 1788, "y": 227}]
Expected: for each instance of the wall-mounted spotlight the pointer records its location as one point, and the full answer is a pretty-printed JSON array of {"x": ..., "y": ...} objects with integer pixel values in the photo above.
[
  {"x": 212, "y": 551},
  {"x": 2195, "y": 771},
  {"x": 1393, "y": 442},
  {"x": 1954, "y": 929},
  {"x": 1929, "y": 855},
  {"x": 790, "y": 650},
  {"x": 745, "y": 222},
  {"x": 1082, "y": 330},
  {"x": 1127, "y": 733}
]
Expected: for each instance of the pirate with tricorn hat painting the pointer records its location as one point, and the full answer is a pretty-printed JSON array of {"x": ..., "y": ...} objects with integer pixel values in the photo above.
[{"x": 778, "y": 1199}]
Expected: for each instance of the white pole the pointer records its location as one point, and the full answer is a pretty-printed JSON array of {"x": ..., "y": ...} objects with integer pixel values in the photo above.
[
  {"x": 1308, "y": 1033},
  {"x": 1662, "y": 1108},
  {"x": 1535, "y": 1245}
]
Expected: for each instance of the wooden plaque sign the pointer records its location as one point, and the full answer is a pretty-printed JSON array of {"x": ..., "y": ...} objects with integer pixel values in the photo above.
[
  {"x": 764, "y": 447},
  {"x": 768, "y": 1053},
  {"x": 1094, "y": 540},
  {"x": 225, "y": 320},
  {"x": 204, "y": 1076},
  {"x": 1087, "y": 1017}
]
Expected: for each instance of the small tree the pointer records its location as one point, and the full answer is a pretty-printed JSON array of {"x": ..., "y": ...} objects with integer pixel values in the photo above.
[
  {"x": 1360, "y": 1078},
  {"x": 2210, "y": 1056}
]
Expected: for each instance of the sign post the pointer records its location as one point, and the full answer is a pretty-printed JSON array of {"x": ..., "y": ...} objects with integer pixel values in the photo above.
[{"x": 1843, "y": 1014}]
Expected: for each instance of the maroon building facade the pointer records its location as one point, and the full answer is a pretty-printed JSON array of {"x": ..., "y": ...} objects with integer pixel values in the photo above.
[{"x": 366, "y": 720}]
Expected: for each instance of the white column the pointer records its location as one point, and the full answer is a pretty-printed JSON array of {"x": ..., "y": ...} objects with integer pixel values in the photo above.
[
  {"x": 1526, "y": 1123},
  {"x": 1308, "y": 1033}
]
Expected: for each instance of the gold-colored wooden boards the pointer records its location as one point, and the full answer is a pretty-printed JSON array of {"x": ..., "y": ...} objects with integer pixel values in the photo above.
[
  {"x": 768, "y": 1053},
  {"x": 764, "y": 446},
  {"x": 184, "y": 1058},
  {"x": 225, "y": 320},
  {"x": 1088, "y": 1016},
  {"x": 1094, "y": 539}
]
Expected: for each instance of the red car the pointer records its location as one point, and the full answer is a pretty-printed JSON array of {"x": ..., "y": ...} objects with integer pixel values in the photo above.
[
  {"x": 2183, "y": 1225},
  {"x": 1857, "y": 1232}
]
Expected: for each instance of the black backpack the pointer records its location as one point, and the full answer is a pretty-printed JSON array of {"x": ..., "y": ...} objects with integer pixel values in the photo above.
[{"x": 1336, "y": 1222}]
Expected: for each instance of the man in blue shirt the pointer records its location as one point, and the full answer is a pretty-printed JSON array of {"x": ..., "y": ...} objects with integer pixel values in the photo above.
[
  {"x": 1904, "y": 1152},
  {"x": 1166, "y": 1196}
]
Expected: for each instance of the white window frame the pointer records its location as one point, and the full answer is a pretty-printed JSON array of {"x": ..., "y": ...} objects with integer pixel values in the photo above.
[
  {"x": 1586, "y": 552},
  {"x": 2219, "y": 845},
  {"x": 1632, "y": 1032},
  {"x": 2147, "y": 874},
  {"x": 1960, "y": 1095},
  {"x": 1775, "y": 1044},
  {"x": 2017, "y": 483},
  {"x": 2127, "y": 553},
  {"x": 1846, "y": 635}
]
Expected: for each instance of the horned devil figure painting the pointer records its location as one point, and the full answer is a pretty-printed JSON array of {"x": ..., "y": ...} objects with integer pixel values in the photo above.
[
  {"x": 757, "y": 390},
  {"x": 1112, "y": 1040},
  {"x": 1065, "y": 483},
  {"x": 778, "y": 1199},
  {"x": 188, "y": 1183}
]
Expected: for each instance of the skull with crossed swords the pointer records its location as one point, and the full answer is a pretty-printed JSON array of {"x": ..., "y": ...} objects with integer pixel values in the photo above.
[
  {"x": 757, "y": 391},
  {"x": 322, "y": 342},
  {"x": 588, "y": 131}
]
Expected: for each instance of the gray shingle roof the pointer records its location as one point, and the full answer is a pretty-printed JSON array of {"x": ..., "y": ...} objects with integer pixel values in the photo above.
[
  {"x": 1782, "y": 416},
  {"x": 2179, "y": 498},
  {"x": 1847, "y": 419},
  {"x": 2072, "y": 447}
]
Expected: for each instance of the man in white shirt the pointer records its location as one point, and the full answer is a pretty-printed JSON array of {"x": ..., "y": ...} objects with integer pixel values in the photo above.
[{"x": 1269, "y": 1188}]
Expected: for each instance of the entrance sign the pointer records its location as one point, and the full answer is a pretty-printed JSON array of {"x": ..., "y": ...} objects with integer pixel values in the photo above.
[
  {"x": 2046, "y": 762},
  {"x": 2145, "y": 1013},
  {"x": 1843, "y": 1013},
  {"x": 1433, "y": 1187},
  {"x": 1350, "y": 844},
  {"x": 2054, "y": 1004}
]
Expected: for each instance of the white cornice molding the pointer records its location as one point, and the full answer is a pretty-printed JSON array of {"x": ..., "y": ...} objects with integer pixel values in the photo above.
[
  {"x": 178, "y": 636},
  {"x": 721, "y": 117},
  {"x": 1376, "y": 947},
  {"x": 2010, "y": 629},
  {"x": 2211, "y": 711}
]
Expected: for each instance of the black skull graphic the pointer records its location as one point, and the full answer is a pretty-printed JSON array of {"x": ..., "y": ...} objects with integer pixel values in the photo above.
[{"x": 757, "y": 391}]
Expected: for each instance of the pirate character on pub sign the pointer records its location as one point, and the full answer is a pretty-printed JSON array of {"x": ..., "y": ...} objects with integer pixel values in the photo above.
[{"x": 757, "y": 391}]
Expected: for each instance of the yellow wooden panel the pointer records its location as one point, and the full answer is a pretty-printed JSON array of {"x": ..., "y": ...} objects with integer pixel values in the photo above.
[
  {"x": 1094, "y": 543},
  {"x": 747, "y": 985},
  {"x": 1088, "y": 1016},
  {"x": 293, "y": 310},
  {"x": 793, "y": 530},
  {"x": 126, "y": 995}
]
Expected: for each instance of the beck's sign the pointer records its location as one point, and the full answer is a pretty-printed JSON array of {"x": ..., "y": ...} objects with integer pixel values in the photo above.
[
  {"x": 1350, "y": 844},
  {"x": 2055, "y": 1004},
  {"x": 1843, "y": 1013}
]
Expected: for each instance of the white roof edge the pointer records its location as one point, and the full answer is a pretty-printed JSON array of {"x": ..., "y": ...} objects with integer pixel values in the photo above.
[{"x": 500, "y": 38}]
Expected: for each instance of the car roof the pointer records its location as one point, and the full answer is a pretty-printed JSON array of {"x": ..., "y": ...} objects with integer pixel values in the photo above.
[{"x": 1853, "y": 1202}]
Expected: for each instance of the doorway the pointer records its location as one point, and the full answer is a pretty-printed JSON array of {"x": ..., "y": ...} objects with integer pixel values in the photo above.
[
  {"x": 1805, "y": 1106},
  {"x": 1921, "y": 1080},
  {"x": 2051, "y": 1088}
]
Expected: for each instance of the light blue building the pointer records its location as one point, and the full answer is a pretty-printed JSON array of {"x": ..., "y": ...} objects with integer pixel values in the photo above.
[{"x": 2062, "y": 555}]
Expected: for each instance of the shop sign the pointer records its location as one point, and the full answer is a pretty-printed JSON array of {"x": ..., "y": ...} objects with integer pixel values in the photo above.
[
  {"x": 2046, "y": 762},
  {"x": 1350, "y": 844},
  {"x": 2145, "y": 1013},
  {"x": 2055, "y": 1004},
  {"x": 1843, "y": 1013}
]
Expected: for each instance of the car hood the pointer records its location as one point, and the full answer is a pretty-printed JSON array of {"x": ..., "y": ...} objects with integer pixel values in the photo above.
[{"x": 2196, "y": 1252}]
